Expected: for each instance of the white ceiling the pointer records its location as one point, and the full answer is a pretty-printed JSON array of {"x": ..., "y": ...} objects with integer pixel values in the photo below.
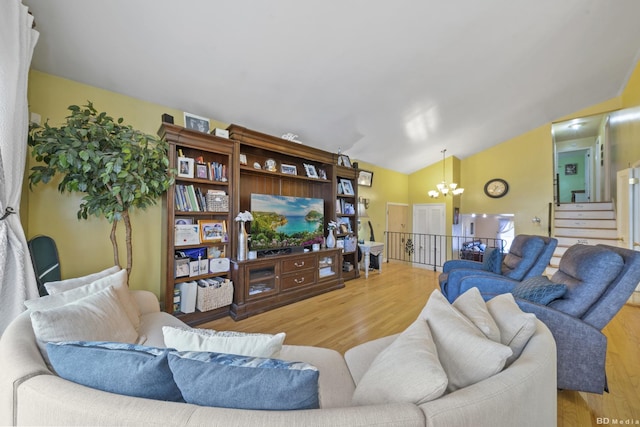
[{"x": 391, "y": 83}]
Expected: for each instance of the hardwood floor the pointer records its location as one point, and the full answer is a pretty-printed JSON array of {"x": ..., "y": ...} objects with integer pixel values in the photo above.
[{"x": 387, "y": 303}]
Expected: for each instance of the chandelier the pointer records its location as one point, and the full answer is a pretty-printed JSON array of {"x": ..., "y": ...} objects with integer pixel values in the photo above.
[{"x": 444, "y": 188}]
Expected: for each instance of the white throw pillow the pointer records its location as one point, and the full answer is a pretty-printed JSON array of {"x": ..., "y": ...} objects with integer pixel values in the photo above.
[
  {"x": 466, "y": 355},
  {"x": 65, "y": 285},
  {"x": 406, "y": 371},
  {"x": 516, "y": 326},
  {"x": 97, "y": 317},
  {"x": 472, "y": 305},
  {"x": 119, "y": 282},
  {"x": 244, "y": 344}
]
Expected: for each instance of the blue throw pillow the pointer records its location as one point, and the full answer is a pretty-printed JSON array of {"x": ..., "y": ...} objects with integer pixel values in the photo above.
[
  {"x": 539, "y": 289},
  {"x": 128, "y": 369},
  {"x": 244, "y": 382},
  {"x": 492, "y": 260}
]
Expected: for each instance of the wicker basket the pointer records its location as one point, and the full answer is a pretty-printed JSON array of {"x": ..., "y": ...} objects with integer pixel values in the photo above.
[
  {"x": 211, "y": 297},
  {"x": 217, "y": 203}
]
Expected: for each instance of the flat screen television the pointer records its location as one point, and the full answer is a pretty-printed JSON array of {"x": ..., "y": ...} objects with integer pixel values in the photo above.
[{"x": 285, "y": 221}]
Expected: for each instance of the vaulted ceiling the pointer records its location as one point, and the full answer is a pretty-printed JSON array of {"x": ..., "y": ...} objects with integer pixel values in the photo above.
[{"x": 391, "y": 83}]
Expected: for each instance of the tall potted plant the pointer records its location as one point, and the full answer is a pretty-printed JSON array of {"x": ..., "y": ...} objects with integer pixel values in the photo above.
[{"x": 114, "y": 166}]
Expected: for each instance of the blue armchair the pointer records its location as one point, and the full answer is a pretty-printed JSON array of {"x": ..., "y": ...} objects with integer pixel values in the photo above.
[
  {"x": 527, "y": 257},
  {"x": 598, "y": 280}
]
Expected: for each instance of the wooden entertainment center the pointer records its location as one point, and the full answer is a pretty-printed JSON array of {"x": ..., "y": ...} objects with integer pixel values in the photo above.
[{"x": 258, "y": 163}]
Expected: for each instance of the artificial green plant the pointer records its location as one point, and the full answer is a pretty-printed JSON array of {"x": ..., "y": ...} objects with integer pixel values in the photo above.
[{"x": 116, "y": 167}]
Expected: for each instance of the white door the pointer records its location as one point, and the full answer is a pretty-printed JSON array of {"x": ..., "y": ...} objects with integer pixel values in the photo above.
[{"x": 429, "y": 228}]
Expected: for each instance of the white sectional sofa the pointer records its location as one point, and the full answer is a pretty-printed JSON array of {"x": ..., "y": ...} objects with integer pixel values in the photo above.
[{"x": 522, "y": 394}]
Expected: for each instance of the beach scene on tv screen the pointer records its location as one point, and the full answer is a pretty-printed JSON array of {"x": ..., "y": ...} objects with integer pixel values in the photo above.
[{"x": 284, "y": 221}]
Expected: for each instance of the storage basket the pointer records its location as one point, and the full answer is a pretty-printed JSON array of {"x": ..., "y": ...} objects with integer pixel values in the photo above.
[
  {"x": 217, "y": 203},
  {"x": 211, "y": 297}
]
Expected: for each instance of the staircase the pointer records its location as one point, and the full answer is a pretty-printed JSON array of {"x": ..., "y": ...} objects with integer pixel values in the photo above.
[{"x": 585, "y": 223}]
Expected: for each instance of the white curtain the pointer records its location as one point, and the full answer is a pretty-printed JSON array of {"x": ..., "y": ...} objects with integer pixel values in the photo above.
[{"x": 17, "y": 40}]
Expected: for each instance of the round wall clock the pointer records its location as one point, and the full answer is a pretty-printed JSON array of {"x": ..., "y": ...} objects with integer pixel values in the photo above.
[{"x": 496, "y": 188}]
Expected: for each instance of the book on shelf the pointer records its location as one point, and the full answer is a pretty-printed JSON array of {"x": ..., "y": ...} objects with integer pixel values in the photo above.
[{"x": 191, "y": 199}]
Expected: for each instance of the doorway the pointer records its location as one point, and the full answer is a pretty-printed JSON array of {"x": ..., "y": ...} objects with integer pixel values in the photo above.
[{"x": 429, "y": 227}]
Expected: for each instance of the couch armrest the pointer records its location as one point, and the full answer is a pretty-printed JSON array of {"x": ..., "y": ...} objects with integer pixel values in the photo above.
[
  {"x": 146, "y": 300},
  {"x": 581, "y": 349}
]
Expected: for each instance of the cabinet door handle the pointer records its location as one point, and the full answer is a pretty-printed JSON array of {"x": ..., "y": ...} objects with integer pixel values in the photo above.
[
  {"x": 299, "y": 281},
  {"x": 299, "y": 264}
]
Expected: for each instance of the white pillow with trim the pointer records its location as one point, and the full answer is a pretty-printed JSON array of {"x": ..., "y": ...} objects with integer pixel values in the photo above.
[
  {"x": 119, "y": 282},
  {"x": 240, "y": 343},
  {"x": 97, "y": 317},
  {"x": 65, "y": 285}
]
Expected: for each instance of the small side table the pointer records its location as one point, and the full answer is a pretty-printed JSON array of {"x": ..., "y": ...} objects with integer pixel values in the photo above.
[{"x": 371, "y": 248}]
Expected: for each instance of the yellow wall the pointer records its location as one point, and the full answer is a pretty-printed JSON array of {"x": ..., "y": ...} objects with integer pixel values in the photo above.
[
  {"x": 387, "y": 187},
  {"x": 84, "y": 246},
  {"x": 526, "y": 163},
  {"x": 631, "y": 94}
]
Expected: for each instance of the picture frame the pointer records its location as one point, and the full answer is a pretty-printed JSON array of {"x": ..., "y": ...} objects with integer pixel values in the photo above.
[
  {"x": 191, "y": 121},
  {"x": 212, "y": 230},
  {"x": 322, "y": 174},
  {"x": 365, "y": 178},
  {"x": 183, "y": 221},
  {"x": 344, "y": 160},
  {"x": 571, "y": 169},
  {"x": 288, "y": 169},
  {"x": 185, "y": 167},
  {"x": 243, "y": 159},
  {"x": 347, "y": 187},
  {"x": 202, "y": 171},
  {"x": 311, "y": 170}
]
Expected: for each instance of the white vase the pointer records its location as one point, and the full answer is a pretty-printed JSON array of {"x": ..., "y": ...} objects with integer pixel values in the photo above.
[
  {"x": 331, "y": 240},
  {"x": 243, "y": 242}
]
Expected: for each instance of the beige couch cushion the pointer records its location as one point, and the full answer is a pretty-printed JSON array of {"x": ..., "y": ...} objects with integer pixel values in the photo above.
[
  {"x": 472, "y": 305},
  {"x": 97, "y": 317},
  {"x": 465, "y": 353},
  {"x": 516, "y": 326},
  {"x": 119, "y": 282},
  {"x": 406, "y": 371}
]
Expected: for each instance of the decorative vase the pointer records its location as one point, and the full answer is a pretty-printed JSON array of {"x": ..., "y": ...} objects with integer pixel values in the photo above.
[
  {"x": 331, "y": 240},
  {"x": 243, "y": 242}
]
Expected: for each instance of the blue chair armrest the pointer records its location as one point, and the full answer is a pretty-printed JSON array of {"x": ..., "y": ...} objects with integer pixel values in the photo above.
[
  {"x": 460, "y": 263},
  {"x": 451, "y": 288},
  {"x": 581, "y": 349},
  {"x": 488, "y": 284}
]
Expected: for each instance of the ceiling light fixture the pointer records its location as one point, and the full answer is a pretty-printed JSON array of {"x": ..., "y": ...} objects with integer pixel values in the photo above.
[{"x": 444, "y": 188}]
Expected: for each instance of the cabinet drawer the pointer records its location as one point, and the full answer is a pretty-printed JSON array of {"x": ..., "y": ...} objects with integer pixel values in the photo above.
[
  {"x": 294, "y": 280},
  {"x": 298, "y": 263}
]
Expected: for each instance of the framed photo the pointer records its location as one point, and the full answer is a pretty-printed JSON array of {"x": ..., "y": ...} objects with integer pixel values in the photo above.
[
  {"x": 212, "y": 230},
  {"x": 343, "y": 160},
  {"x": 243, "y": 159},
  {"x": 289, "y": 169},
  {"x": 571, "y": 169},
  {"x": 347, "y": 187},
  {"x": 310, "y": 170},
  {"x": 322, "y": 173},
  {"x": 365, "y": 178},
  {"x": 183, "y": 221},
  {"x": 185, "y": 167},
  {"x": 201, "y": 171},
  {"x": 191, "y": 121}
]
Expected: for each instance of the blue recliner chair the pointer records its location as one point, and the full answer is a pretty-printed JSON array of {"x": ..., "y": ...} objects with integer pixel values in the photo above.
[
  {"x": 598, "y": 281},
  {"x": 528, "y": 256}
]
